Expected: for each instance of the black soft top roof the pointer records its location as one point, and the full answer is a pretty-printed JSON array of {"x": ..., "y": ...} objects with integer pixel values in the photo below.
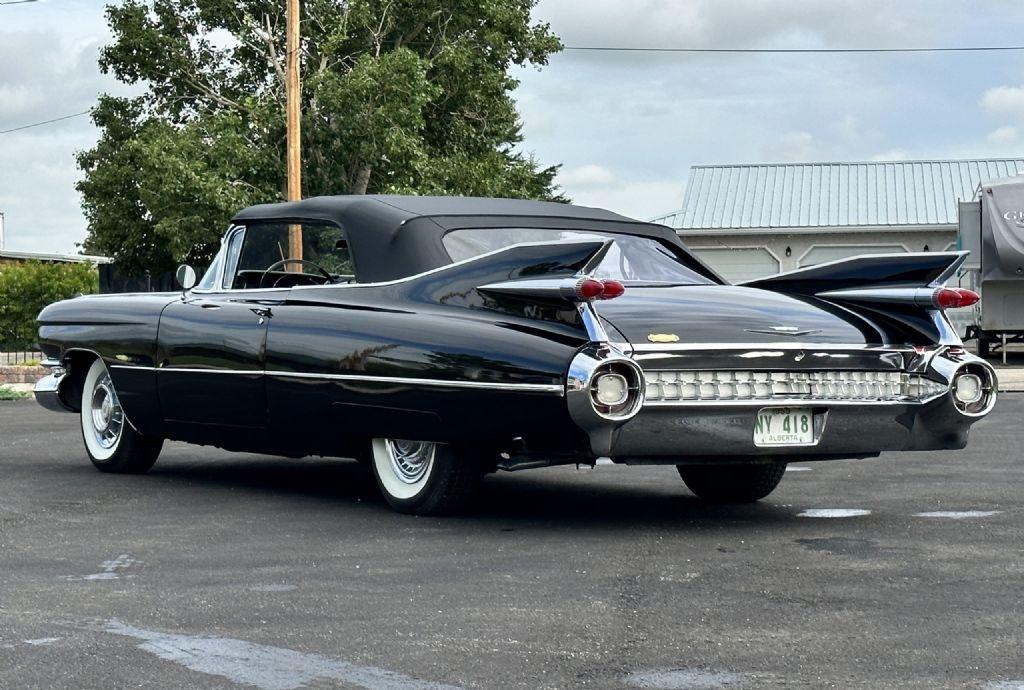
[
  {"x": 345, "y": 208},
  {"x": 396, "y": 236}
]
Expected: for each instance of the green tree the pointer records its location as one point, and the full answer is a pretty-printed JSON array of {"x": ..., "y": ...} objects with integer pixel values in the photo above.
[
  {"x": 399, "y": 96},
  {"x": 25, "y": 288}
]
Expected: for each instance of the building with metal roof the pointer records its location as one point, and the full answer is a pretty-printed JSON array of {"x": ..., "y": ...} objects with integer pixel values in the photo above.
[
  {"x": 752, "y": 220},
  {"x": 8, "y": 255}
]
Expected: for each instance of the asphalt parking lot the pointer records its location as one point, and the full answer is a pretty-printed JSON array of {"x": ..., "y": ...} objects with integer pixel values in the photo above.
[{"x": 222, "y": 570}]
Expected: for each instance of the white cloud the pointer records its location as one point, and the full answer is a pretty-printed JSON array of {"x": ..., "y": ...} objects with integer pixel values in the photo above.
[
  {"x": 738, "y": 23},
  {"x": 640, "y": 198},
  {"x": 48, "y": 70},
  {"x": 586, "y": 177},
  {"x": 1003, "y": 135},
  {"x": 890, "y": 155},
  {"x": 626, "y": 127},
  {"x": 1004, "y": 101},
  {"x": 795, "y": 147}
]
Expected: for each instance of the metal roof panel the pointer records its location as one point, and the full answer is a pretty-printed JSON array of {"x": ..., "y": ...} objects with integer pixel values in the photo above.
[{"x": 798, "y": 195}]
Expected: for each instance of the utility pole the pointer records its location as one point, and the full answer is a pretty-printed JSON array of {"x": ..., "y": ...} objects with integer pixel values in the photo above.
[{"x": 294, "y": 125}]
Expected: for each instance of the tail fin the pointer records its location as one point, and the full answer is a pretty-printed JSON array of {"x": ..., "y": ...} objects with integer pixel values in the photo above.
[
  {"x": 906, "y": 288},
  {"x": 917, "y": 270},
  {"x": 538, "y": 282}
]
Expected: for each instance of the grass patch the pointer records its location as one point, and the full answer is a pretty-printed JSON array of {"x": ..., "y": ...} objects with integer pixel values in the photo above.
[{"x": 8, "y": 393}]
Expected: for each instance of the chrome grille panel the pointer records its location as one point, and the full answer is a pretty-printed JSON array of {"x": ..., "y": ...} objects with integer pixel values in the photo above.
[{"x": 667, "y": 387}]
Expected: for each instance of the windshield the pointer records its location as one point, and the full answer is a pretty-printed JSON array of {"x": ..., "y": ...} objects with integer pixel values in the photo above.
[{"x": 631, "y": 259}]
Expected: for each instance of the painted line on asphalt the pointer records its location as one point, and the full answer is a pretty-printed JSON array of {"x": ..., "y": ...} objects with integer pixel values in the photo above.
[
  {"x": 958, "y": 514},
  {"x": 43, "y": 641},
  {"x": 834, "y": 512},
  {"x": 683, "y": 679},
  {"x": 792, "y": 468},
  {"x": 109, "y": 570},
  {"x": 263, "y": 666},
  {"x": 273, "y": 588}
]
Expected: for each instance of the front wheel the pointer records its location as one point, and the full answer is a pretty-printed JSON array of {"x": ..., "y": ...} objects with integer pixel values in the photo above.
[
  {"x": 732, "y": 483},
  {"x": 423, "y": 478},
  {"x": 110, "y": 441}
]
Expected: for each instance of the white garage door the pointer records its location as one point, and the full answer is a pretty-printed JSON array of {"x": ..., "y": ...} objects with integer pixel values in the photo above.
[
  {"x": 824, "y": 253},
  {"x": 737, "y": 265}
]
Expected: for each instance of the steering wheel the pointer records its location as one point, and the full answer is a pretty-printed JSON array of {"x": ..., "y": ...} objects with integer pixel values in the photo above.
[{"x": 285, "y": 262}]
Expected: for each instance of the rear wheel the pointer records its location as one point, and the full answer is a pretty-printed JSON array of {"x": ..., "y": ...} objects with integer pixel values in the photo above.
[
  {"x": 424, "y": 478},
  {"x": 110, "y": 441},
  {"x": 732, "y": 483}
]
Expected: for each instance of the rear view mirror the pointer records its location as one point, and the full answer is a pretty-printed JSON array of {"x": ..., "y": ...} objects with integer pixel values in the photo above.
[{"x": 186, "y": 276}]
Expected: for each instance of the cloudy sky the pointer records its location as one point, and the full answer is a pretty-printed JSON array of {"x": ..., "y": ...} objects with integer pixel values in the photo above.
[{"x": 626, "y": 127}]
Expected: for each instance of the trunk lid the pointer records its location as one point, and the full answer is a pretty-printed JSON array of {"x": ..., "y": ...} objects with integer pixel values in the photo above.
[{"x": 727, "y": 314}]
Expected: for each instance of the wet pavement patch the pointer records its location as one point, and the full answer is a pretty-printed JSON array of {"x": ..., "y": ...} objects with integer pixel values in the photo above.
[
  {"x": 683, "y": 679},
  {"x": 843, "y": 546}
]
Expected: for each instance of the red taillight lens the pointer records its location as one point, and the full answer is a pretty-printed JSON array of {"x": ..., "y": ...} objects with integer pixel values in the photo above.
[
  {"x": 953, "y": 298},
  {"x": 612, "y": 289},
  {"x": 591, "y": 288},
  {"x": 588, "y": 288}
]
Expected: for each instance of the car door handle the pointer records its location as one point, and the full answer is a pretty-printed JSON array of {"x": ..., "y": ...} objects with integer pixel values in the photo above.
[
  {"x": 210, "y": 306},
  {"x": 262, "y": 312}
]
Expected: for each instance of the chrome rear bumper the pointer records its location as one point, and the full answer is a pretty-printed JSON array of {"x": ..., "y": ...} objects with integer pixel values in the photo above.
[
  {"x": 863, "y": 402},
  {"x": 712, "y": 432}
]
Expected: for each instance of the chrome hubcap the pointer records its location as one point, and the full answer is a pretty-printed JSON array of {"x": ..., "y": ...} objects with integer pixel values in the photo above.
[
  {"x": 107, "y": 416},
  {"x": 410, "y": 460}
]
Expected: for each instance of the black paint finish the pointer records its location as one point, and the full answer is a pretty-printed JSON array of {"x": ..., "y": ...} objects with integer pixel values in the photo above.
[{"x": 429, "y": 356}]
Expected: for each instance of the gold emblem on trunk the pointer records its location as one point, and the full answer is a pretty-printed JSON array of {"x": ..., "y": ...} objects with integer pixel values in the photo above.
[{"x": 663, "y": 338}]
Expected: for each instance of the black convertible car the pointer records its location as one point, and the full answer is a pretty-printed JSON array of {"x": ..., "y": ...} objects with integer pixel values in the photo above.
[{"x": 439, "y": 339}]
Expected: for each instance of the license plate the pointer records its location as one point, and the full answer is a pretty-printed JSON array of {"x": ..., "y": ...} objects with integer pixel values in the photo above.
[{"x": 784, "y": 426}]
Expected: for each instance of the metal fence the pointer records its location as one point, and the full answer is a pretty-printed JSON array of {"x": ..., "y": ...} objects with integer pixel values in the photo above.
[
  {"x": 13, "y": 351},
  {"x": 20, "y": 359}
]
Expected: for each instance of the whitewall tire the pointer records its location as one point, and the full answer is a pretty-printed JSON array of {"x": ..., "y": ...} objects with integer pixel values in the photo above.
[
  {"x": 111, "y": 442},
  {"x": 424, "y": 478}
]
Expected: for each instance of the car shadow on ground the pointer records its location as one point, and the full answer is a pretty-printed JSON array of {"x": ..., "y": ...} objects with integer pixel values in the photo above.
[{"x": 601, "y": 498}]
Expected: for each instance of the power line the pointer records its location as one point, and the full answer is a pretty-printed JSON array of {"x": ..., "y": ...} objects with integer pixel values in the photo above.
[
  {"x": 640, "y": 49},
  {"x": 17, "y": 2},
  {"x": 44, "y": 122}
]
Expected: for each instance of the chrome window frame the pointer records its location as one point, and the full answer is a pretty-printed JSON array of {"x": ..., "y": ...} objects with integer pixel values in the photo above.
[
  {"x": 234, "y": 232},
  {"x": 225, "y": 242}
]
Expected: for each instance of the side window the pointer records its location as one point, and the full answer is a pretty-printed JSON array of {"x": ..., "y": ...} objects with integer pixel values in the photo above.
[
  {"x": 209, "y": 280},
  {"x": 285, "y": 255}
]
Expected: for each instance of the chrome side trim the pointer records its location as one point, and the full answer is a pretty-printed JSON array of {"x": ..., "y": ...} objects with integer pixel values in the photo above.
[
  {"x": 918, "y": 297},
  {"x": 947, "y": 334},
  {"x": 686, "y": 347},
  {"x": 554, "y": 389},
  {"x": 190, "y": 370},
  {"x": 592, "y": 322}
]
